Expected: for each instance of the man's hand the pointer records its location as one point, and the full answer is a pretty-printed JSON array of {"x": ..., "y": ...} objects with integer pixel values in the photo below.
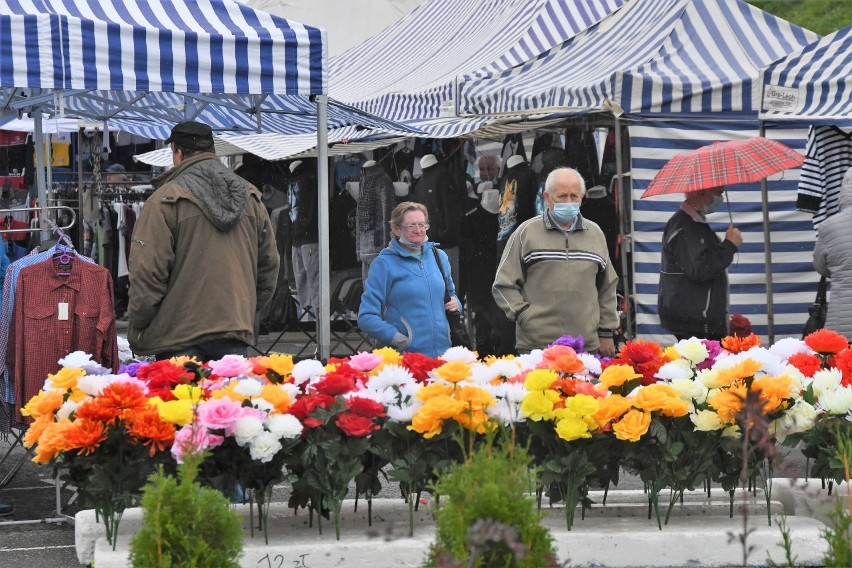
[
  {"x": 734, "y": 235},
  {"x": 607, "y": 348}
]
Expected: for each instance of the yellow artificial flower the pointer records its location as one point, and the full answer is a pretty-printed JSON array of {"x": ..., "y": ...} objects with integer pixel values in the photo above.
[
  {"x": 632, "y": 425},
  {"x": 389, "y": 355},
  {"x": 77, "y": 395},
  {"x": 675, "y": 407},
  {"x": 572, "y": 428},
  {"x": 433, "y": 389},
  {"x": 443, "y": 407},
  {"x": 178, "y": 412},
  {"x": 191, "y": 393},
  {"x": 540, "y": 379},
  {"x": 229, "y": 391},
  {"x": 475, "y": 397},
  {"x": 66, "y": 378},
  {"x": 476, "y": 420},
  {"x": 453, "y": 371},
  {"x": 181, "y": 359},
  {"x": 582, "y": 404},
  {"x": 611, "y": 408},
  {"x": 617, "y": 375},
  {"x": 706, "y": 420},
  {"x": 725, "y": 377},
  {"x": 279, "y": 363},
  {"x": 654, "y": 397},
  {"x": 670, "y": 354},
  {"x": 426, "y": 424},
  {"x": 538, "y": 405}
]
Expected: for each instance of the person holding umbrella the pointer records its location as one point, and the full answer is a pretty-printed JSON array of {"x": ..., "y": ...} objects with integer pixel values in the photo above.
[{"x": 693, "y": 293}]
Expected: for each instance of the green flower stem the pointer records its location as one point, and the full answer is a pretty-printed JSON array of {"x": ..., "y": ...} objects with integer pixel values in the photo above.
[{"x": 411, "y": 514}]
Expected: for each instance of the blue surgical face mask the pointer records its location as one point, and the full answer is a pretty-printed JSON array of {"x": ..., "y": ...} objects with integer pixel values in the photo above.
[
  {"x": 714, "y": 205},
  {"x": 566, "y": 212}
]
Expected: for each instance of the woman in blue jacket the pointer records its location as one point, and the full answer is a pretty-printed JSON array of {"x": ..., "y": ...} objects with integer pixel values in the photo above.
[{"x": 403, "y": 302}]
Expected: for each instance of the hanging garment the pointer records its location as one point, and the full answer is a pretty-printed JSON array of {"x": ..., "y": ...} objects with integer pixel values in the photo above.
[
  {"x": 513, "y": 145},
  {"x": 437, "y": 191},
  {"x": 55, "y": 315},
  {"x": 581, "y": 153},
  {"x": 303, "y": 203},
  {"x": 376, "y": 201},
  {"x": 827, "y": 157},
  {"x": 347, "y": 169},
  {"x": 517, "y": 200}
]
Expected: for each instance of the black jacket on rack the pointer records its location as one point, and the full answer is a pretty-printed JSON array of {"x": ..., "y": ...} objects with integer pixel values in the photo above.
[
  {"x": 303, "y": 203},
  {"x": 436, "y": 189},
  {"x": 376, "y": 201}
]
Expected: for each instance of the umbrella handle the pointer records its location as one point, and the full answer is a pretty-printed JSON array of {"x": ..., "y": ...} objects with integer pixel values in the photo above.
[{"x": 728, "y": 203}]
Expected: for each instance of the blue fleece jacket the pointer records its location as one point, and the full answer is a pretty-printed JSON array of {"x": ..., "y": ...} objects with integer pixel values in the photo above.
[{"x": 405, "y": 294}]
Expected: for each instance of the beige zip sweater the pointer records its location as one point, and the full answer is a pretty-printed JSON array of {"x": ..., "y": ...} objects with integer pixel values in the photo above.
[{"x": 552, "y": 284}]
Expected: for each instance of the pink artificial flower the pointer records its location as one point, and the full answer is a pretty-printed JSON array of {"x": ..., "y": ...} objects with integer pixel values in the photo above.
[
  {"x": 365, "y": 361},
  {"x": 231, "y": 366},
  {"x": 193, "y": 438},
  {"x": 219, "y": 413}
]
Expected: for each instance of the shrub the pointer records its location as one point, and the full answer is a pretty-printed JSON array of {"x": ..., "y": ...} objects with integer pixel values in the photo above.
[
  {"x": 186, "y": 525},
  {"x": 486, "y": 515}
]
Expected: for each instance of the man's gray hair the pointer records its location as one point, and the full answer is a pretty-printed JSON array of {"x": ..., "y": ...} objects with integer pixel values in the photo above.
[{"x": 551, "y": 179}]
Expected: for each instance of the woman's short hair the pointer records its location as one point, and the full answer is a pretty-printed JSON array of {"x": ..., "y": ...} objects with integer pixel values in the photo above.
[{"x": 403, "y": 208}]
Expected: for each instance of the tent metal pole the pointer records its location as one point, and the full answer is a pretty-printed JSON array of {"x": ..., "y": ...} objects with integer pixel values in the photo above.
[
  {"x": 324, "y": 315},
  {"x": 625, "y": 200},
  {"x": 41, "y": 183},
  {"x": 767, "y": 251}
]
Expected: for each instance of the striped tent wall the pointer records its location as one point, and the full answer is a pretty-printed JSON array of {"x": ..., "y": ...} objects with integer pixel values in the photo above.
[{"x": 652, "y": 144}]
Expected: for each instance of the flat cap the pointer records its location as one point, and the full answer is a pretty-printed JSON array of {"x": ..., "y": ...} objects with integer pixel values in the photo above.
[{"x": 192, "y": 135}]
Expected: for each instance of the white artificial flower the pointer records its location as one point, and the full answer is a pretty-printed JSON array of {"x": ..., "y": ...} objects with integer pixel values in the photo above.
[
  {"x": 785, "y": 348},
  {"x": 679, "y": 369},
  {"x": 291, "y": 389},
  {"x": 247, "y": 429},
  {"x": 383, "y": 396},
  {"x": 531, "y": 360},
  {"x": 506, "y": 368},
  {"x": 732, "y": 431},
  {"x": 309, "y": 369},
  {"x": 93, "y": 385},
  {"x": 506, "y": 412},
  {"x": 284, "y": 426},
  {"x": 826, "y": 380},
  {"x": 709, "y": 378},
  {"x": 693, "y": 350},
  {"x": 248, "y": 387},
  {"x": 689, "y": 390},
  {"x": 77, "y": 359},
  {"x": 403, "y": 412},
  {"x": 706, "y": 421},
  {"x": 459, "y": 354},
  {"x": 264, "y": 447},
  {"x": 261, "y": 403},
  {"x": 482, "y": 374},
  {"x": 836, "y": 401},
  {"x": 67, "y": 408},
  {"x": 513, "y": 392},
  {"x": 592, "y": 363},
  {"x": 800, "y": 417},
  {"x": 389, "y": 376}
]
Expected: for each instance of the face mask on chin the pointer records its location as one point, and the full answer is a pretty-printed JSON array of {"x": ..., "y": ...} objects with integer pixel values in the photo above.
[
  {"x": 408, "y": 244},
  {"x": 565, "y": 212}
]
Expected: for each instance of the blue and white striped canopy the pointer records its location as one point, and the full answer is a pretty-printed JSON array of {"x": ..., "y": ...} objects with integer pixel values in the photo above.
[
  {"x": 813, "y": 84},
  {"x": 182, "y": 46},
  {"x": 144, "y": 65},
  {"x": 409, "y": 71},
  {"x": 650, "y": 56}
]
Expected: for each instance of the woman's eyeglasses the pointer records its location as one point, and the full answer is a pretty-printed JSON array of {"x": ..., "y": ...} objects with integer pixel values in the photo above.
[{"x": 411, "y": 227}]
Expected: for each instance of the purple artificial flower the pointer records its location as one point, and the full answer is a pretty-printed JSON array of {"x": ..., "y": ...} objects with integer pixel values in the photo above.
[
  {"x": 130, "y": 368},
  {"x": 575, "y": 343},
  {"x": 713, "y": 350}
]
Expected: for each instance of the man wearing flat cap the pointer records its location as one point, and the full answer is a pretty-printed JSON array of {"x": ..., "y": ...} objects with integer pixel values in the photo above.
[{"x": 203, "y": 259}]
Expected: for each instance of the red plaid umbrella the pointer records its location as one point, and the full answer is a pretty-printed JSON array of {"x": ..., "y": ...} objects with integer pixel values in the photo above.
[{"x": 723, "y": 163}]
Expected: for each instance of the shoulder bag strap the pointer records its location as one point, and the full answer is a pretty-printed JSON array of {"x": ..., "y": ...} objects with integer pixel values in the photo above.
[{"x": 444, "y": 276}]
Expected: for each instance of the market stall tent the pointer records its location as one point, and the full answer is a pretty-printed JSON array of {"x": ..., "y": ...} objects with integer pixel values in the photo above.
[{"x": 680, "y": 74}]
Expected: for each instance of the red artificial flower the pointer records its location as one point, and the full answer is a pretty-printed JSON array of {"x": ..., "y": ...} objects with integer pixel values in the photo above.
[
  {"x": 256, "y": 366},
  {"x": 337, "y": 360},
  {"x": 740, "y": 325},
  {"x": 646, "y": 358},
  {"x": 162, "y": 377},
  {"x": 806, "y": 363},
  {"x": 419, "y": 365},
  {"x": 366, "y": 407},
  {"x": 843, "y": 362},
  {"x": 355, "y": 426},
  {"x": 826, "y": 342},
  {"x": 334, "y": 384},
  {"x": 305, "y": 405}
]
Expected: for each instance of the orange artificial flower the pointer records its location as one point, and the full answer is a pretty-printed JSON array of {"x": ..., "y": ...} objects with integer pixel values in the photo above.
[
  {"x": 806, "y": 363},
  {"x": 736, "y": 344},
  {"x": 453, "y": 372},
  {"x": 617, "y": 375},
  {"x": 826, "y": 342},
  {"x": 51, "y": 442},
  {"x": 148, "y": 428},
  {"x": 611, "y": 408},
  {"x": 654, "y": 397},
  {"x": 632, "y": 425},
  {"x": 675, "y": 407},
  {"x": 728, "y": 402},
  {"x": 117, "y": 400},
  {"x": 229, "y": 391},
  {"x": 36, "y": 429},
  {"x": 84, "y": 436},
  {"x": 774, "y": 391},
  {"x": 432, "y": 390},
  {"x": 45, "y": 403},
  {"x": 744, "y": 370},
  {"x": 562, "y": 359},
  {"x": 277, "y": 397}
]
